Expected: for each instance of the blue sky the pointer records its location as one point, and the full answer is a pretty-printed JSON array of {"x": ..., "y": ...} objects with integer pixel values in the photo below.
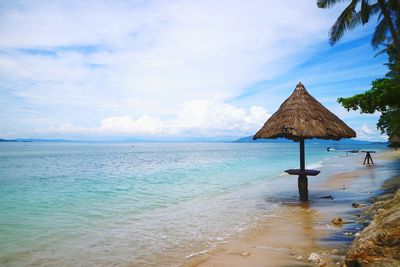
[{"x": 173, "y": 69}]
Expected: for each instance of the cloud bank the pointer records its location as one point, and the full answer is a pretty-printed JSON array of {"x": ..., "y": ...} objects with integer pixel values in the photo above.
[
  {"x": 149, "y": 67},
  {"x": 200, "y": 118}
]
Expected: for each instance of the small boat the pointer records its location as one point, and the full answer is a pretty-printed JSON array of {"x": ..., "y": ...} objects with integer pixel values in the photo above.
[{"x": 347, "y": 150}]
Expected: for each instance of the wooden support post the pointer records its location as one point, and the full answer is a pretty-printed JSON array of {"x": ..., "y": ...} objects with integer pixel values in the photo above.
[
  {"x": 368, "y": 158},
  {"x": 303, "y": 187},
  {"x": 302, "y": 180},
  {"x": 302, "y": 156}
]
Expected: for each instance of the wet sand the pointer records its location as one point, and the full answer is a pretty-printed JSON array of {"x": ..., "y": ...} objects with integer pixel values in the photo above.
[{"x": 297, "y": 229}]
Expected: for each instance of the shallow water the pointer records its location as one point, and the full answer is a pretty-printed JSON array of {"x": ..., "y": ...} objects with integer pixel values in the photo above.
[{"x": 80, "y": 204}]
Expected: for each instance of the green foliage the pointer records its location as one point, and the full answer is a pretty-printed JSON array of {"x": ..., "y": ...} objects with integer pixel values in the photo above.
[
  {"x": 389, "y": 122},
  {"x": 384, "y": 97},
  {"x": 385, "y": 93}
]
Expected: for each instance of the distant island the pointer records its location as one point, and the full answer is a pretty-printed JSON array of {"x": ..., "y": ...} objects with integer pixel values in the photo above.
[
  {"x": 6, "y": 140},
  {"x": 34, "y": 140},
  {"x": 345, "y": 141}
]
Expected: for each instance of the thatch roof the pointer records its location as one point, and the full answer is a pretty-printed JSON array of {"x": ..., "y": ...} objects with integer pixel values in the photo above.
[{"x": 302, "y": 116}]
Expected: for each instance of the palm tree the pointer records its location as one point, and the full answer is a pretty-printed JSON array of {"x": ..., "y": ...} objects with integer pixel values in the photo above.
[{"x": 388, "y": 20}]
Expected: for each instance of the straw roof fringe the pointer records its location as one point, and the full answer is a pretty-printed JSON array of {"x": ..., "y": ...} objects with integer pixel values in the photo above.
[{"x": 301, "y": 116}]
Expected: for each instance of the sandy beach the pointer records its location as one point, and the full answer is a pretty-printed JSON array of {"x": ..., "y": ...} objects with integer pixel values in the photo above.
[{"x": 297, "y": 230}]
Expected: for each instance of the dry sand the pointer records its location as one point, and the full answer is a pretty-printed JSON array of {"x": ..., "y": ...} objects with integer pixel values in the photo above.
[{"x": 296, "y": 230}]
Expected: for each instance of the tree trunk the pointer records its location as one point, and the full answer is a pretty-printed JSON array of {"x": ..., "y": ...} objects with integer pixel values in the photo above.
[{"x": 392, "y": 29}]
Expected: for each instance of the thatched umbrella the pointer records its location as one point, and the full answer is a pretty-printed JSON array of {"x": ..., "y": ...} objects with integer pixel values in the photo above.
[{"x": 301, "y": 117}]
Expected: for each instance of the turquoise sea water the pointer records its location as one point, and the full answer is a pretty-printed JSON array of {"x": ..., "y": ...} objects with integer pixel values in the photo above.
[{"x": 80, "y": 204}]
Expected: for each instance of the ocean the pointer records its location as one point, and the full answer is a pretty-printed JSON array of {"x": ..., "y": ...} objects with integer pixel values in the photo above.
[{"x": 138, "y": 204}]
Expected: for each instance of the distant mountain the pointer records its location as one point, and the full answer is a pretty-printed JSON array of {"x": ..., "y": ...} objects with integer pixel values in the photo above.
[
  {"x": 42, "y": 140},
  {"x": 249, "y": 139},
  {"x": 34, "y": 140},
  {"x": 345, "y": 141},
  {"x": 6, "y": 140}
]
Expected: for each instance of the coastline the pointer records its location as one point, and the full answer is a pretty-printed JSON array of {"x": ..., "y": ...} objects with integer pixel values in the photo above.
[{"x": 297, "y": 230}]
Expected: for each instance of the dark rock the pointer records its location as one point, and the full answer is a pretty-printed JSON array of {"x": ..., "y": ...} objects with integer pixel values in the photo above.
[
  {"x": 337, "y": 221},
  {"x": 357, "y": 205},
  {"x": 379, "y": 243}
]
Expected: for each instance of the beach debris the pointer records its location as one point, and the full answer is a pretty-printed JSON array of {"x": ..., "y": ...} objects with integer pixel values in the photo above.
[
  {"x": 245, "y": 254},
  {"x": 299, "y": 257},
  {"x": 327, "y": 197},
  {"x": 315, "y": 257},
  {"x": 271, "y": 248},
  {"x": 357, "y": 234},
  {"x": 196, "y": 254},
  {"x": 379, "y": 211},
  {"x": 357, "y": 205},
  {"x": 337, "y": 221}
]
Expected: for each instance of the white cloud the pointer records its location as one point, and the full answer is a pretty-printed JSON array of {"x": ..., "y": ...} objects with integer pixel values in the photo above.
[
  {"x": 199, "y": 118},
  {"x": 126, "y": 125},
  {"x": 366, "y": 130},
  {"x": 365, "y": 133}
]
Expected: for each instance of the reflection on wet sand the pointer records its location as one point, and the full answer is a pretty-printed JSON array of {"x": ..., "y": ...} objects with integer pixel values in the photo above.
[{"x": 297, "y": 230}]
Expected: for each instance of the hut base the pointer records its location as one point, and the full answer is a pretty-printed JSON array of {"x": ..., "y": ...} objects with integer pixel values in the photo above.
[{"x": 303, "y": 187}]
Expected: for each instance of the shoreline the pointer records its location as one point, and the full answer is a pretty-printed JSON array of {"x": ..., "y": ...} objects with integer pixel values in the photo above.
[{"x": 297, "y": 232}]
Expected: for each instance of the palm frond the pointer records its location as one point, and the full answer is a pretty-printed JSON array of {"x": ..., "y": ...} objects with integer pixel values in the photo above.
[
  {"x": 327, "y": 3},
  {"x": 379, "y": 36},
  {"x": 380, "y": 15},
  {"x": 395, "y": 8},
  {"x": 383, "y": 51},
  {"x": 346, "y": 21},
  {"x": 394, "y": 5},
  {"x": 356, "y": 20},
  {"x": 374, "y": 8},
  {"x": 365, "y": 11}
]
